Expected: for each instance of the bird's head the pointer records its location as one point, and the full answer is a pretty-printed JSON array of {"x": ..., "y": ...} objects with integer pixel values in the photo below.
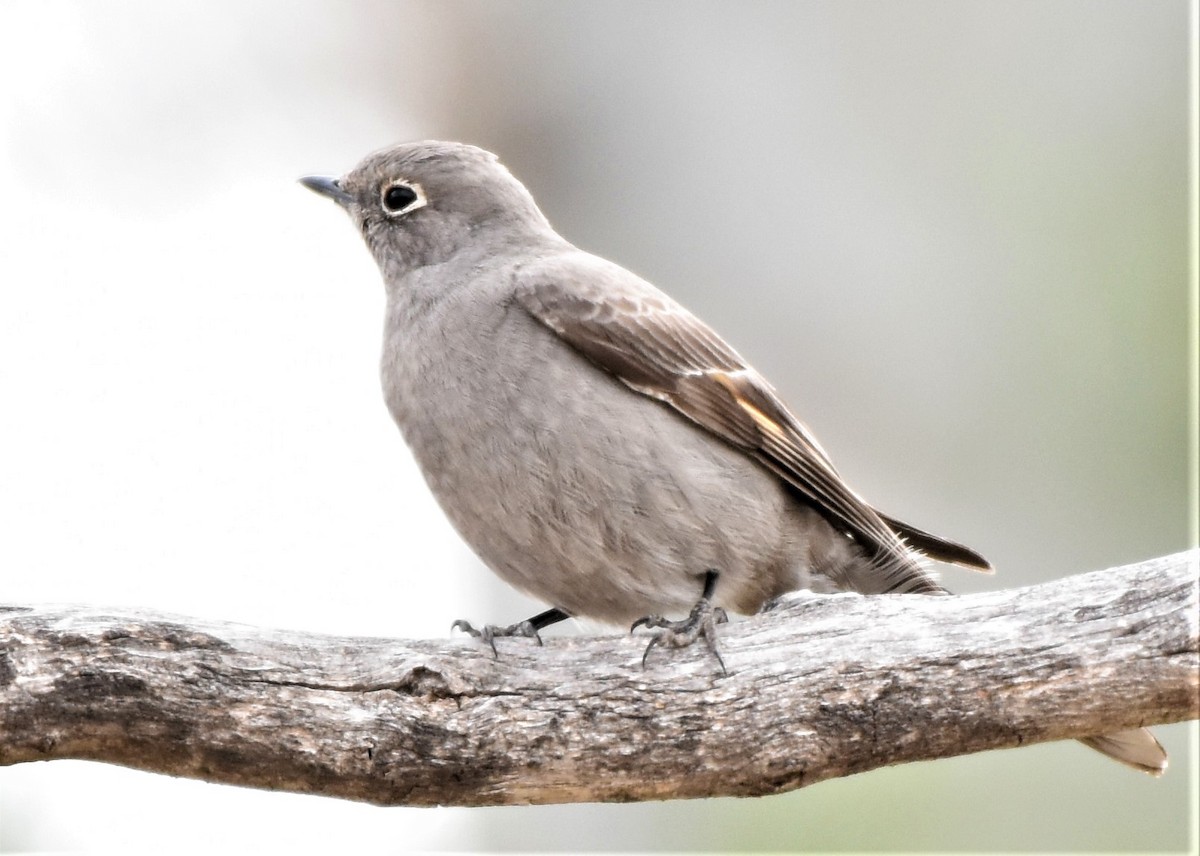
[{"x": 421, "y": 204}]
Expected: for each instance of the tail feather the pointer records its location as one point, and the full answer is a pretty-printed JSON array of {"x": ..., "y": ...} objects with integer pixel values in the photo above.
[
  {"x": 937, "y": 547},
  {"x": 1137, "y": 748}
]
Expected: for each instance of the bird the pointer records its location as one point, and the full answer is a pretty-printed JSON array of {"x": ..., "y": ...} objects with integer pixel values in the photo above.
[{"x": 595, "y": 443}]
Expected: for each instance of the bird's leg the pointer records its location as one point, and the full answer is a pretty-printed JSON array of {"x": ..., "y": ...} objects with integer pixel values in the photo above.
[
  {"x": 527, "y": 628},
  {"x": 701, "y": 623}
]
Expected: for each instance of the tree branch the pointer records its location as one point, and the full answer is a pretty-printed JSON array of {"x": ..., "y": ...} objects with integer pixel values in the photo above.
[{"x": 818, "y": 688}]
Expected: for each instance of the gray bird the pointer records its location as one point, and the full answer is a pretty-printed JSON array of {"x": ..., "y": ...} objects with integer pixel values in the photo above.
[{"x": 596, "y": 444}]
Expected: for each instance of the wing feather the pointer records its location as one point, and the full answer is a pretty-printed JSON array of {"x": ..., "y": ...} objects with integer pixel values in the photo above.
[{"x": 656, "y": 347}]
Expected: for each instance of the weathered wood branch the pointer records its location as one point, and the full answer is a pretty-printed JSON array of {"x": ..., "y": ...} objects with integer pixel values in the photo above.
[{"x": 818, "y": 688}]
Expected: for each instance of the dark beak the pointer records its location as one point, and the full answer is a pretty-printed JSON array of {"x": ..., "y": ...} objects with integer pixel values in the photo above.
[{"x": 327, "y": 185}]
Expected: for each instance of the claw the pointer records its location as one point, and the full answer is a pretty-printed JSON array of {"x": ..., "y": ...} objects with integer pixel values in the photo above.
[
  {"x": 700, "y": 623},
  {"x": 490, "y": 632},
  {"x": 654, "y": 640},
  {"x": 646, "y": 621},
  {"x": 487, "y": 634}
]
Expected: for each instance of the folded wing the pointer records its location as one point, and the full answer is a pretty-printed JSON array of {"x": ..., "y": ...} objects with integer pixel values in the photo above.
[{"x": 657, "y": 348}]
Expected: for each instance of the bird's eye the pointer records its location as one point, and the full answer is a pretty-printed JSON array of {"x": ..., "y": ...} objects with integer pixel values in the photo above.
[{"x": 399, "y": 198}]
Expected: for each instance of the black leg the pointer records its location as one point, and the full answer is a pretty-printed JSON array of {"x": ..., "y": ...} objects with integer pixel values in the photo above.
[
  {"x": 527, "y": 628},
  {"x": 700, "y": 624}
]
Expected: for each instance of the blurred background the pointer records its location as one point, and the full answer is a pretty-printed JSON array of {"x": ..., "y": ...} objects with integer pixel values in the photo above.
[{"x": 954, "y": 235}]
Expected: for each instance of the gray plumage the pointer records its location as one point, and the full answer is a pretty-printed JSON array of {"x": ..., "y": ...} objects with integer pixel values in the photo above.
[{"x": 597, "y": 445}]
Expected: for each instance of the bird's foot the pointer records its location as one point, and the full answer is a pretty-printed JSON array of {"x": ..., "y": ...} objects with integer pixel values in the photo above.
[
  {"x": 701, "y": 623},
  {"x": 489, "y": 632},
  {"x": 528, "y": 628}
]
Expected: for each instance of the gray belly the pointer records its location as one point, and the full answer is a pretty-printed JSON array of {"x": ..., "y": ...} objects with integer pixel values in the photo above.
[{"x": 578, "y": 490}]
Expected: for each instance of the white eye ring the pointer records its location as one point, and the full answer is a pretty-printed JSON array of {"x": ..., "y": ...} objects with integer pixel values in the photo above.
[{"x": 401, "y": 197}]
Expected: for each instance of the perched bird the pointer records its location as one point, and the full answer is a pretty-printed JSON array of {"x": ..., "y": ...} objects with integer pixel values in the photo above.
[{"x": 596, "y": 444}]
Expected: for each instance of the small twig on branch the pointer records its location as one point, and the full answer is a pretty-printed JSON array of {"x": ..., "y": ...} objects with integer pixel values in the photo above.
[{"x": 820, "y": 687}]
